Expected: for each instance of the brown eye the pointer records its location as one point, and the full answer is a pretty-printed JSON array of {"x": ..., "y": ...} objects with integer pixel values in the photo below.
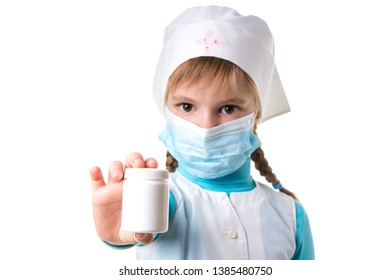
[
  {"x": 228, "y": 109},
  {"x": 186, "y": 107}
]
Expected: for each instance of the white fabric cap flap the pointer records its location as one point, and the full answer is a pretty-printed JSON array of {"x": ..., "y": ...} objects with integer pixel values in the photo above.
[{"x": 222, "y": 32}]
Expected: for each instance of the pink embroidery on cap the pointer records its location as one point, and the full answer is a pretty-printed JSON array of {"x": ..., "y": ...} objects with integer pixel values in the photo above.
[{"x": 209, "y": 41}]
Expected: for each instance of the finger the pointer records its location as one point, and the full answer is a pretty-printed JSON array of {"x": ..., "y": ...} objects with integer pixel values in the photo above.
[
  {"x": 151, "y": 163},
  {"x": 126, "y": 237},
  {"x": 115, "y": 173},
  {"x": 135, "y": 160},
  {"x": 97, "y": 179}
]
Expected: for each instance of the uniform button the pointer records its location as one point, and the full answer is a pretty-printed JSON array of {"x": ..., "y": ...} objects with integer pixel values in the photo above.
[{"x": 231, "y": 234}]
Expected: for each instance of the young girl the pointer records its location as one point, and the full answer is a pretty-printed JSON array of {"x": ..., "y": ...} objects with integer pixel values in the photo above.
[{"x": 215, "y": 82}]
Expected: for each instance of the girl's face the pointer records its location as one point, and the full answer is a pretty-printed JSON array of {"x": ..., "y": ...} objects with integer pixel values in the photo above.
[{"x": 206, "y": 106}]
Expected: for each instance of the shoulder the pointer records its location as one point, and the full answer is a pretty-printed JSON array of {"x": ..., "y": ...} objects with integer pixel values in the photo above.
[
  {"x": 176, "y": 185},
  {"x": 278, "y": 205},
  {"x": 291, "y": 211},
  {"x": 276, "y": 198},
  {"x": 177, "y": 191}
]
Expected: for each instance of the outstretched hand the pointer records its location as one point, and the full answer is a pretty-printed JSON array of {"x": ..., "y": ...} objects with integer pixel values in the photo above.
[{"x": 107, "y": 201}]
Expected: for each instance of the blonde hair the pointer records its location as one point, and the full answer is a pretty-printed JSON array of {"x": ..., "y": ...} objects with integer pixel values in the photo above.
[{"x": 224, "y": 74}]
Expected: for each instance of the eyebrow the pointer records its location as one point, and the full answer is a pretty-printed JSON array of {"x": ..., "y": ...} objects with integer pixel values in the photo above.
[
  {"x": 182, "y": 98},
  {"x": 190, "y": 100},
  {"x": 235, "y": 100}
]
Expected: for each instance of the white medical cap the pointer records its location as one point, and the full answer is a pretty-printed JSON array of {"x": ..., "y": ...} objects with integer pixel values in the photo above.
[{"x": 222, "y": 32}]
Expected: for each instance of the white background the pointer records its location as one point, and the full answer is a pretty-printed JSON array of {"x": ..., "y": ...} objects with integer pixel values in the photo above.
[{"x": 75, "y": 91}]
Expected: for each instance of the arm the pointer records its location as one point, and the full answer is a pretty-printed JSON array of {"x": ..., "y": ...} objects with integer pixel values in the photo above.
[{"x": 304, "y": 240}]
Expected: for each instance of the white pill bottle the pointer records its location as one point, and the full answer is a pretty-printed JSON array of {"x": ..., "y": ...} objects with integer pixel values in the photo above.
[{"x": 145, "y": 201}]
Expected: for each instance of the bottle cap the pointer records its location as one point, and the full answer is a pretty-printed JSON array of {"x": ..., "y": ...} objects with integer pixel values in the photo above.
[{"x": 146, "y": 173}]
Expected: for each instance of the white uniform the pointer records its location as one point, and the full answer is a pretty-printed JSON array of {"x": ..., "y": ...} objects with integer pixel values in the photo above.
[{"x": 258, "y": 224}]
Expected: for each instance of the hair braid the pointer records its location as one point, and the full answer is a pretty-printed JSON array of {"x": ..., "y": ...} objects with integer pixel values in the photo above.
[
  {"x": 261, "y": 164},
  {"x": 171, "y": 163}
]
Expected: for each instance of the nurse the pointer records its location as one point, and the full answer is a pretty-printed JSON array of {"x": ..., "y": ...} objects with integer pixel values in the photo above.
[{"x": 215, "y": 82}]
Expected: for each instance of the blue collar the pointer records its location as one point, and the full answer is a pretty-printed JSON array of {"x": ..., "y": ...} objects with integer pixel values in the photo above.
[{"x": 239, "y": 181}]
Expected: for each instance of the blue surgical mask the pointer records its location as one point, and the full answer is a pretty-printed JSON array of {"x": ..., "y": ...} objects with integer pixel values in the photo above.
[{"x": 213, "y": 152}]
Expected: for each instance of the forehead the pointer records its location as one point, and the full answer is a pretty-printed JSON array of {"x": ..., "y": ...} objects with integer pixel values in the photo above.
[
  {"x": 211, "y": 76},
  {"x": 209, "y": 88}
]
